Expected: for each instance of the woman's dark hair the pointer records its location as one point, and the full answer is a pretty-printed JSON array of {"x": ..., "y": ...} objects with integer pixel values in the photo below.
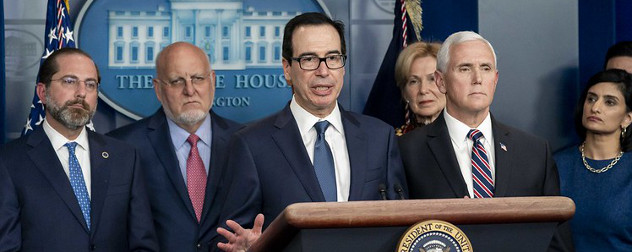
[{"x": 624, "y": 82}]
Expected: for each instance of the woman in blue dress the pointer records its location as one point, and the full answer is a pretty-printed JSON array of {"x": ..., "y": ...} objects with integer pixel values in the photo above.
[{"x": 597, "y": 174}]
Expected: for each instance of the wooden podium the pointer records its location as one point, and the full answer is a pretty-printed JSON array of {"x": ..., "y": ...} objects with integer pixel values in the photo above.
[{"x": 496, "y": 224}]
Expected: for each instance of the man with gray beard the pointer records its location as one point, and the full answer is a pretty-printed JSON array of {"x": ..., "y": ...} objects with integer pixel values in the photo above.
[
  {"x": 65, "y": 188},
  {"x": 183, "y": 148}
]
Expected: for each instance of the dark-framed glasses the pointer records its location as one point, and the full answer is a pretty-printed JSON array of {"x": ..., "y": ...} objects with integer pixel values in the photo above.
[
  {"x": 180, "y": 82},
  {"x": 312, "y": 62},
  {"x": 73, "y": 82}
]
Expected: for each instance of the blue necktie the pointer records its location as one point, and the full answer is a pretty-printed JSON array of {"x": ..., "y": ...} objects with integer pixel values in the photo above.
[
  {"x": 481, "y": 171},
  {"x": 324, "y": 163},
  {"x": 78, "y": 183}
]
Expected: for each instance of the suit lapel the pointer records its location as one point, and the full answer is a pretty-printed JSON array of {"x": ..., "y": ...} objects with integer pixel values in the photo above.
[
  {"x": 220, "y": 138},
  {"x": 503, "y": 165},
  {"x": 100, "y": 175},
  {"x": 288, "y": 140},
  {"x": 441, "y": 147},
  {"x": 46, "y": 160},
  {"x": 160, "y": 138},
  {"x": 357, "y": 147}
]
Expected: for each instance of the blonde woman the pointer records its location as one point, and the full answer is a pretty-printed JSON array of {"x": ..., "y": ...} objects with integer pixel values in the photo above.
[{"x": 414, "y": 75}]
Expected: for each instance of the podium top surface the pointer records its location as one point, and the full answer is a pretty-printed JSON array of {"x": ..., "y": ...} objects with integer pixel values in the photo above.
[{"x": 408, "y": 212}]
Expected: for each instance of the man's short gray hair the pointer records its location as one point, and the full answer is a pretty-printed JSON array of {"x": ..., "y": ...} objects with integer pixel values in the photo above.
[{"x": 443, "y": 56}]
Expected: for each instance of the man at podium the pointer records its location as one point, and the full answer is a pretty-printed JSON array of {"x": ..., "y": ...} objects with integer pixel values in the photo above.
[{"x": 312, "y": 150}]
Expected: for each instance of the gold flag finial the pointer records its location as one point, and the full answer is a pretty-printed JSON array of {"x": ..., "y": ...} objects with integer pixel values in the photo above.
[{"x": 413, "y": 8}]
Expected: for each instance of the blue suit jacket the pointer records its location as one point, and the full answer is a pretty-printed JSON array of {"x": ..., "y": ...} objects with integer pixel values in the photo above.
[
  {"x": 270, "y": 169},
  {"x": 174, "y": 217},
  {"x": 39, "y": 211}
]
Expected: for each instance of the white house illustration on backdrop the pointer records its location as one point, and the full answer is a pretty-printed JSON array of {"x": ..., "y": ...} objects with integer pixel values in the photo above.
[{"x": 234, "y": 38}]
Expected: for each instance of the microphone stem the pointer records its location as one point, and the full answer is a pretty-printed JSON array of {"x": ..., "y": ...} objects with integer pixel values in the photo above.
[
  {"x": 382, "y": 189},
  {"x": 400, "y": 191}
]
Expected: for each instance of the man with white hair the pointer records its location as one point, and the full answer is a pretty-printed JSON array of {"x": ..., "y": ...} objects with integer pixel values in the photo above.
[
  {"x": 183, "y": 148},
  {"x": 466, "y": 152}
]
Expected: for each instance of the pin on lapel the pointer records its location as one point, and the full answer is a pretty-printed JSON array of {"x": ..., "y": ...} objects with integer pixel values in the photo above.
[
  {"x": 105, "y": 154},
  {"x": 502, "y": 146}
]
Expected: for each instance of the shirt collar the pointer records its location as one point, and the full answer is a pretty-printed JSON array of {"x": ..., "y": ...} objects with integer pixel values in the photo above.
[
  {"x": 179, "y": 135},
  {"x": 306, "y": 120},
  {"x": 458, "y": 130},
  {"x": 58, "y": 140},
  {"x": 486, "y": 128}
]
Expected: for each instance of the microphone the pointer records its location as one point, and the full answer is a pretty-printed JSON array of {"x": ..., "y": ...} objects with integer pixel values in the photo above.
[
  {"x": 400, "y": 191},
  {"x": 382, "y": 189}
]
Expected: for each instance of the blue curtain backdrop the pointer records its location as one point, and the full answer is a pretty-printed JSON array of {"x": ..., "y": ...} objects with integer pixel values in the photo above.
[
  {"x": 601, "y": 25},
  {"x": 3, "y": 98},
  {"x": 624, "y": 20}
]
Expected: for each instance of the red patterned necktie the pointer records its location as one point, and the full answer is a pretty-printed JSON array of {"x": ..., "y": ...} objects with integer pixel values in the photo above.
[
  {"x": 481, "y": 171},
  {"x": 196, "y": 177}
]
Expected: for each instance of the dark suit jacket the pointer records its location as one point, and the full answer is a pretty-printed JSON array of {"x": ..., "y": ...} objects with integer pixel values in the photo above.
[
  {"x": 270, "y": 168},
  {"x": 174, "y": 217},
  {"x": 524, "y": 169},
  {"x": 39, "y": 210}
]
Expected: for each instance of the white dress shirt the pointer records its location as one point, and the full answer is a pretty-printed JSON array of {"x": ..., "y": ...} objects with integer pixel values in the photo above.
[
  {"x": 463, "y": 146},
  {"x": 335, "y": 137},
  {"x": 82, "y": 151}
]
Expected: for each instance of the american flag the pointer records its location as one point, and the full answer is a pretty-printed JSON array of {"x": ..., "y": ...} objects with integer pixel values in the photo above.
[
  {"x": 384, "y": 101},
  {"x": 58, "y": 34}
]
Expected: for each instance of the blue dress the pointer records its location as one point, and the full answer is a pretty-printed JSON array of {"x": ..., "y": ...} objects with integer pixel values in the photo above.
[{"x": 603, "y": 215}]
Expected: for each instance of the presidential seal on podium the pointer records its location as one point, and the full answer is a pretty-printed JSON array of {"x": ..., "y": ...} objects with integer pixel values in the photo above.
[{"x": 434, "y": 236}]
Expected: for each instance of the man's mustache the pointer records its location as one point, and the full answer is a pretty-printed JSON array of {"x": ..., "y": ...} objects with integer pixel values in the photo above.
[{"x": 81, "y": 102}]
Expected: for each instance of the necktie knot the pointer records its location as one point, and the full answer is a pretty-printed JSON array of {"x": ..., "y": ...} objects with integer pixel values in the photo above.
[
  {"x": 321, "y": 127},
  {"x": 71, "y": 147},
  {"x": 474, "y": 134},
  {"x": 193, "y": 139}
]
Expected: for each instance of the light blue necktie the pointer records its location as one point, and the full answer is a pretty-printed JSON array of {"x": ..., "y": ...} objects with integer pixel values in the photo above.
[
  {"x": 78, "y": 183},
  {"x": 324, "y": 163},
  {"x": 481, "y": 171}
]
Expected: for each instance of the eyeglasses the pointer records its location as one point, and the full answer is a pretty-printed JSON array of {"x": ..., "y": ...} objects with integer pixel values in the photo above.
[
  {"x": 312, "y": 62},
  {"x": 180, "y": 82},
  {"x": 68, "y": 81}
]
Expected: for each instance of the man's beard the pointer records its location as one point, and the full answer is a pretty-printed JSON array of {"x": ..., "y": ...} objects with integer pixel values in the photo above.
[
  {"x": 188, "y": 117},
  {"x": 71, "y": 118}
]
